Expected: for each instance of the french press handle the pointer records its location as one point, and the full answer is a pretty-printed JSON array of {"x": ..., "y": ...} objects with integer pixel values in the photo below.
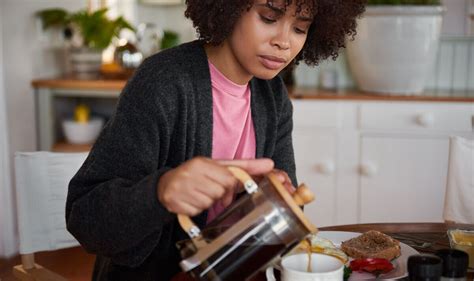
[
  {"x": 301, "y": 196},
  {"x": 250, "y": 186}
]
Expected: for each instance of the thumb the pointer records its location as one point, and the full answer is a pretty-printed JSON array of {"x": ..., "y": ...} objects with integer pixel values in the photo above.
[
  {"x": 251, "y": 166},
  {"x": 227, "y": 199}
]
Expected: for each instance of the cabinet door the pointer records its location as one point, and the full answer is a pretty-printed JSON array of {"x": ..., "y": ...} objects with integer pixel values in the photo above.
[
  {"x": 315, "y": 166},
  {"x": 403, "y": 179}
]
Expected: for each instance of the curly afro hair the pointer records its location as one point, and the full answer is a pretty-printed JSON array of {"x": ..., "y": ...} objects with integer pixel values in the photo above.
[{"x": 214, "y": 21}]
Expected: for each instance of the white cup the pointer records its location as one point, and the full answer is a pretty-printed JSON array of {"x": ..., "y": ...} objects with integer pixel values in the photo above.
[{"x": 324, "y": 268}]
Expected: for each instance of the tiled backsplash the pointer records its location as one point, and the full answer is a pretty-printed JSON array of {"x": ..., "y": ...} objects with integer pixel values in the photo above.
[
  {"x": 454, "y": 69},
  {"x": 452, "y": 72}
]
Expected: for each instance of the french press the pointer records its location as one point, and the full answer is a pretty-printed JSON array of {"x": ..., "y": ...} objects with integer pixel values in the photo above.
[{"x": 252, "y": 232}]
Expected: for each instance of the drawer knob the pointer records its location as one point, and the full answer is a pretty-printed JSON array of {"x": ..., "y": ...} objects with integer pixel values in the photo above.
[
  {"x": 425, "y": 119},
  {"x": 368, "y": 169},
  {"x": 326, "y": 168}
]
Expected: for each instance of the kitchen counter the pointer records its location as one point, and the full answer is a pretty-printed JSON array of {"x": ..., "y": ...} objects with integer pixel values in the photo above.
[
  {"x": 428, "y": 96},
  {"x": 48, "y": 90},
  {"x": 102, "y": 84}
]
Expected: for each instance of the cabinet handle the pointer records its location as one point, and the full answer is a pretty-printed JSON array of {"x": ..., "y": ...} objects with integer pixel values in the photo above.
[
  {"x": 326, "y": 168},
  {"x": 368, "y": 169},
  {"x": 425, "y": 119}
]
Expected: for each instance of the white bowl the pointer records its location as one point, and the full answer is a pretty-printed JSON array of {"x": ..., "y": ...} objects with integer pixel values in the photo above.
[{"x": 82, "y": 133}]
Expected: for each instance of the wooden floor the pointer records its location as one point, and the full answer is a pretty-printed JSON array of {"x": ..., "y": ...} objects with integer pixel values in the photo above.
[{"x": 74, "y": 264}]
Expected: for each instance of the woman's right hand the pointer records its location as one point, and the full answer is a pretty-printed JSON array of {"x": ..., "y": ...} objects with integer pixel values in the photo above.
[{"x": 197, "y": 183}]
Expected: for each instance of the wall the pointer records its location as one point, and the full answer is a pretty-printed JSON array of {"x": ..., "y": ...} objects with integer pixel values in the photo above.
[
  {"x": 456, "y": 22},
  {"x": 28, "y": 53},
  {"x": 7, "y": 236},
  {"x": 167, "y": 17}
]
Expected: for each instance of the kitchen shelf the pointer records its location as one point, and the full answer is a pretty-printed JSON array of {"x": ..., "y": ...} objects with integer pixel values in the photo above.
[{"x": 69, "y": 147}]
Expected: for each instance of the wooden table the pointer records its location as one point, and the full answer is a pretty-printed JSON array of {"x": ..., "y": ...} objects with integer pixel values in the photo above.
[{"x": 412, "y": 234}]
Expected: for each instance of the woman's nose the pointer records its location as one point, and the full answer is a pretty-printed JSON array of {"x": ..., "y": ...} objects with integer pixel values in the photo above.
[{"x": 282, "y": 39}]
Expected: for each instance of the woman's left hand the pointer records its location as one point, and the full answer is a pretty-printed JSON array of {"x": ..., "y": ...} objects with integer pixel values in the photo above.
[{"x": 285, "y": 180}]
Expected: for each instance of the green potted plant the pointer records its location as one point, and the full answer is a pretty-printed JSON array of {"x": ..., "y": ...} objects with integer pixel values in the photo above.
[
  {"x": 396, "y": 45},
  {"x": 89, "y": 33}
]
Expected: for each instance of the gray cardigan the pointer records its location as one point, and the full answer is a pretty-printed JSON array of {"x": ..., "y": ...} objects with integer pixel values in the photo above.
[{"x": 163, "y": 118}]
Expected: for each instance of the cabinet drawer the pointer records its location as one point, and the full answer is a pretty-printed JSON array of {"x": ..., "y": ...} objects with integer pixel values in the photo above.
[
  {"x": 307, "y": 113},
  {"x": 417, "y": 116}
]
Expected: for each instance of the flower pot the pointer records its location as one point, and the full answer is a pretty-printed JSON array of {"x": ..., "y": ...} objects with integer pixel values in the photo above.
[
  {"x": 85, "y": 61},
  {"x": 395, "y": 48}
]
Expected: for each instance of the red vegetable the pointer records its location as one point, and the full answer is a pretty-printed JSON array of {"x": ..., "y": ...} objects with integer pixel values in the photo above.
[{"x": 372, "y": 265}]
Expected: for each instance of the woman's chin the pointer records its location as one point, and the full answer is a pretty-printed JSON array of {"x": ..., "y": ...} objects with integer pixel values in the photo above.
[{"x": 267, "y": 75}]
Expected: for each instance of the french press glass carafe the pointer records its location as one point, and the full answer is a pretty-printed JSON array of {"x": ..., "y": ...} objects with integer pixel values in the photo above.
[{"x": 249, "y": 234}]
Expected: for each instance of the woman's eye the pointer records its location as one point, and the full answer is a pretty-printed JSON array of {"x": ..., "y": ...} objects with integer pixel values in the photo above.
[
  {"x": 300, "y": 31},
  {"x": 267, "y": 20}
]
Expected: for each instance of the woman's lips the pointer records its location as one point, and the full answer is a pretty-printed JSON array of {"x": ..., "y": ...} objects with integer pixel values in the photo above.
[{"x": 272, "y": 62}]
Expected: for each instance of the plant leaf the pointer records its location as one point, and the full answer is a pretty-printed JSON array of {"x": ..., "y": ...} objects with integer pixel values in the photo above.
[{"x": 53, "y": 17}]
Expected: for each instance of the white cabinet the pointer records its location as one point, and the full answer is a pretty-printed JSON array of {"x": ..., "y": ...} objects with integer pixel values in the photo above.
[
  {"x": 372, "y": 161},
  {"x": 402, "y": 179},
  {"x": 317, "y": 139},
  {"x": 316, "y": 156}
]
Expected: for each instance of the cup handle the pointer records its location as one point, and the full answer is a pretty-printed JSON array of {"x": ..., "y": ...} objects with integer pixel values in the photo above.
[
  {"x": 270, "y": 274},
  {"x": 191, "y": 228}
]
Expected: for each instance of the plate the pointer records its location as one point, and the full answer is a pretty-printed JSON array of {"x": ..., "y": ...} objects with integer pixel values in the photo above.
[{"x": 399, "y": 264}]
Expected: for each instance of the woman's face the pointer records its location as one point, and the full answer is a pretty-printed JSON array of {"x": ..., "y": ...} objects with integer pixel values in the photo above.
[{"x": 268, "y": 37}]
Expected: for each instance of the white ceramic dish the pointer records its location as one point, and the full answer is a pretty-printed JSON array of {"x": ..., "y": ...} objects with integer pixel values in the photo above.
[{"x": 399, "y": 264}]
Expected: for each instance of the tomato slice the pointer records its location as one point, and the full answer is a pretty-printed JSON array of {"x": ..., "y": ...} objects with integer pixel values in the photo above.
[{"x": 375, "y": 266}]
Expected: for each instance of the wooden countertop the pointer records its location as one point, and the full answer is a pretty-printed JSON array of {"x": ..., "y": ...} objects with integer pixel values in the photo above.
[
  {"x": 108, "y": 84},
  {"x": 101, "y": 83},
  {"x": 429, "y": 96}
]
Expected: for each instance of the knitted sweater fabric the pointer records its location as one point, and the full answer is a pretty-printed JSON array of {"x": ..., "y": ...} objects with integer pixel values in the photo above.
[{"x": 163, "y": 118}]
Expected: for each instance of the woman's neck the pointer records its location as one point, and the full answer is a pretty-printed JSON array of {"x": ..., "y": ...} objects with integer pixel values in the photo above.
[{"x": 223, "y": 58}]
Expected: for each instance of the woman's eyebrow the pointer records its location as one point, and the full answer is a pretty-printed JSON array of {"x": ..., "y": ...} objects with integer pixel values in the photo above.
[
  {"x": 280, "y": 11},
  {"x": 303, "y": 18}
]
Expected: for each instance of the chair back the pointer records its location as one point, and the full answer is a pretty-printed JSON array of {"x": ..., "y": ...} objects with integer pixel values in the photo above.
[
  {"x": 459, "y": 199},
  {"x": 42, "y": 180}
]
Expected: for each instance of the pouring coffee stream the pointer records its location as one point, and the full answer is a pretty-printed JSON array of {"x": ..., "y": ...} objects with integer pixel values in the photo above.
[{"x": 249, "y": 234}]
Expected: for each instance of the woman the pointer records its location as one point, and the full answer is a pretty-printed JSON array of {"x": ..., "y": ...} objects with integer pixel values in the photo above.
[{"x": 186, "y": 114}]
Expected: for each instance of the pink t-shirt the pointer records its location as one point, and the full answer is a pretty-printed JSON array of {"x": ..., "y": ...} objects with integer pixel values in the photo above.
[{"x": 233, "y": 135}]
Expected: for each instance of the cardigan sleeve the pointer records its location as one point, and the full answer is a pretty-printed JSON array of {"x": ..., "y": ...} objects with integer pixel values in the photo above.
[
  {"x": 112, "y": 206},
  {"x": 283, "y": 155}
]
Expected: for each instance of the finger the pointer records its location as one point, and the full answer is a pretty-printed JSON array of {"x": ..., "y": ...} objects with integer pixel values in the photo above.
[
  {"x": 285, "y": 180},
  {"x": 282, "y": 176},
  {"x": 227, "y": 199},
  {"x": 251, "y": 166},
  {"x": 220, "y": 175},
  {"x": 289, "y": 187},
  {"x": 186, "y": 209},
  {"x": 211, "y": 188},
  {"x": 199, "y": 200}
]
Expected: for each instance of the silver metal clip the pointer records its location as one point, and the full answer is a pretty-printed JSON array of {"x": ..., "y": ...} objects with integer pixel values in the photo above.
[
  {"x": 250, "y": 186},
  {"x": 194, "y": 232}
]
